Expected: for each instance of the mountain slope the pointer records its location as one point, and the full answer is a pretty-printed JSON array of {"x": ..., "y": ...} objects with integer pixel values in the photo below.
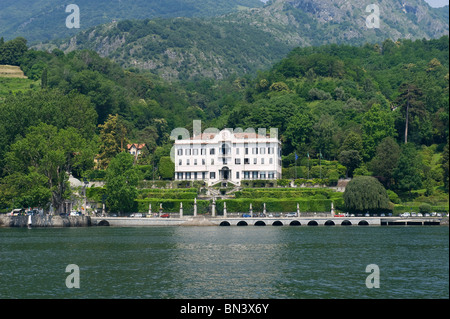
[
  {"x": 43, "y": 20},
  {"x": 252, "y": 39}
]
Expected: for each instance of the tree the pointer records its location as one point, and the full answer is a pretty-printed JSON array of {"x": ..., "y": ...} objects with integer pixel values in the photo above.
[
  {"x": 353, "y": 141},
  {"x": 350, "y": 159},
  {"x": 44, "y": 79},
  {"x": 25, "y": 190},
  {"x": 19, "y": 112},
  {"x": 46, "y": 156},
  {"x": 385, "y": 160},
  {"x": 121, "y": 181},
  {"x": 411, "y": 104},
  {"x": 365, "y": 194},
  {"x": 112, "y": 139},
  {"x": 166, "y": 168},
  {"x": 406, "y": 174},
  {"x": 445, "y": 166},
  {"x": 377, "y": 124},
  {"x": 12, "y": 51}
]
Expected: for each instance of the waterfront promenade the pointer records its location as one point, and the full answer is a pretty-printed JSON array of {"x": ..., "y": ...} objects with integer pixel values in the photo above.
[
  {"x": 85, "y": 221},
  {"x": 264, "y": 221}
]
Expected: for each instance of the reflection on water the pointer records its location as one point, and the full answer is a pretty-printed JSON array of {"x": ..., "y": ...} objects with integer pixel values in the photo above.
[{"x": 225, "y": 262}]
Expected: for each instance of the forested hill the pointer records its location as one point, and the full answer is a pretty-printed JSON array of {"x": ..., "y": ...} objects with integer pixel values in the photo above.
[
  {"x": 43, "y": 20},
  {"x": 249, "y": 40},
  {"x": 345, "y": 105}
]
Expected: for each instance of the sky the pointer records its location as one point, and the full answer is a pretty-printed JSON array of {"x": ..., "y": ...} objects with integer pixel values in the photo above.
[{"x": 437, "y": 3}]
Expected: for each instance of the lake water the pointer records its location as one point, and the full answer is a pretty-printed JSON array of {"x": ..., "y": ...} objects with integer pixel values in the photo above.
[{"x": 225, "y": 262}]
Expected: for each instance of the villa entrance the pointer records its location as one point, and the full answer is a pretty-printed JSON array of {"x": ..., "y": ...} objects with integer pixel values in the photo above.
[{"x": 225, "y": 173}]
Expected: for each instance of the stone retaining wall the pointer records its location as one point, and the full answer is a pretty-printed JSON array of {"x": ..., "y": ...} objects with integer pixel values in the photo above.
[{"x": 45, "y": 221}]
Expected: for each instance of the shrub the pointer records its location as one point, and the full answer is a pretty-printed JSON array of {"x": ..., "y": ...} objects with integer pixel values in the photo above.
[
  {"x": 366, "y": 193},
  {"x": 425, "y": 208}
]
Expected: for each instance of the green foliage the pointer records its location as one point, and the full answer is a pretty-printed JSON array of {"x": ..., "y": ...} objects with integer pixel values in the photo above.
[
  {"x": 385, "y": 160},
  {"x": 365, "y": 194},
  {"x": 12, "y": 51},
  {"x": 173, "y": 206},
  {"x": 112, "y": 139},
  {"x": 44, "y": 156},
  {"x": 279, "y": 205},
  {"x": 41, "y": 24},
  {"x": 166, "y": 168},
  {"x": 425, "y": 208},
  {"x": 445, "y": 166},
  {"x": 406, "y": 173},
  {"x": 121, "y": 181}
]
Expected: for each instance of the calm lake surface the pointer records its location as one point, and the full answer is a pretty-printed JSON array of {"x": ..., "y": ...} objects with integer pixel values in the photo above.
[{"x": 225, "y": 262}]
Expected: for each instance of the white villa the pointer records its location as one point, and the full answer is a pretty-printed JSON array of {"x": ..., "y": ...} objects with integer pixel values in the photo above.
[{"x": 227, "y": 157}]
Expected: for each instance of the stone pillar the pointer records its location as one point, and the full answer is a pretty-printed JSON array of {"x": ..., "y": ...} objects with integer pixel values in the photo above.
[
  {"x": 298, "y": 210},
  {"x": 251, "y": 210},
  {"x": 213, "y": 209},
  {"x": 332, "y": 209},
  {"x": 264, "y": 209},
  {"x": 224, "y": 209},
  {"x": 195, "y": 207},
  {"x": 160, "y": 209},
  {"x": 150, "y": 209},
  {"x": 181, "y": 210}
]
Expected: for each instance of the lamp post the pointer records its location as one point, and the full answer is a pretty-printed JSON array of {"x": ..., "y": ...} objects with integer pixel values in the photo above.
[{"x": 86, "y": 183}]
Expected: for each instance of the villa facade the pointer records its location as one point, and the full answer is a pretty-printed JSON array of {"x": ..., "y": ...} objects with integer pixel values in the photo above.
[{"x": 227, "y": 157}]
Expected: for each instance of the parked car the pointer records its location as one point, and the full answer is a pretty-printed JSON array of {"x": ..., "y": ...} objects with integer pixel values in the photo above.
[
  {"x": 137, "y": 215},
  {"x": 75, "y": 213},
  {"x": 165, "y": 216},
  {"x": 246, "y": 215},
  {"x": 291, "y": 215},
  {"x": 17, "y": 212}
]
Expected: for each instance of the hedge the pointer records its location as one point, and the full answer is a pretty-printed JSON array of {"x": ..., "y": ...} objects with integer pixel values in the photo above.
[
  {"x": 288, "y": 193},
  {"x": 187, "y": 193},
  {"x": 398, "y": 209},
  {"x": 173, "y": 205},
  {"x": 235, "y": 205},
  {"x": 272, "y": 205}
]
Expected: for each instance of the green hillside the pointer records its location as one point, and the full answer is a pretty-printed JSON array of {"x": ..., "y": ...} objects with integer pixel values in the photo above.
[
  {"x": 245, "y": 41},
  {"x": 344, "y": 106},
  {"x": 43, "y": 20}
]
